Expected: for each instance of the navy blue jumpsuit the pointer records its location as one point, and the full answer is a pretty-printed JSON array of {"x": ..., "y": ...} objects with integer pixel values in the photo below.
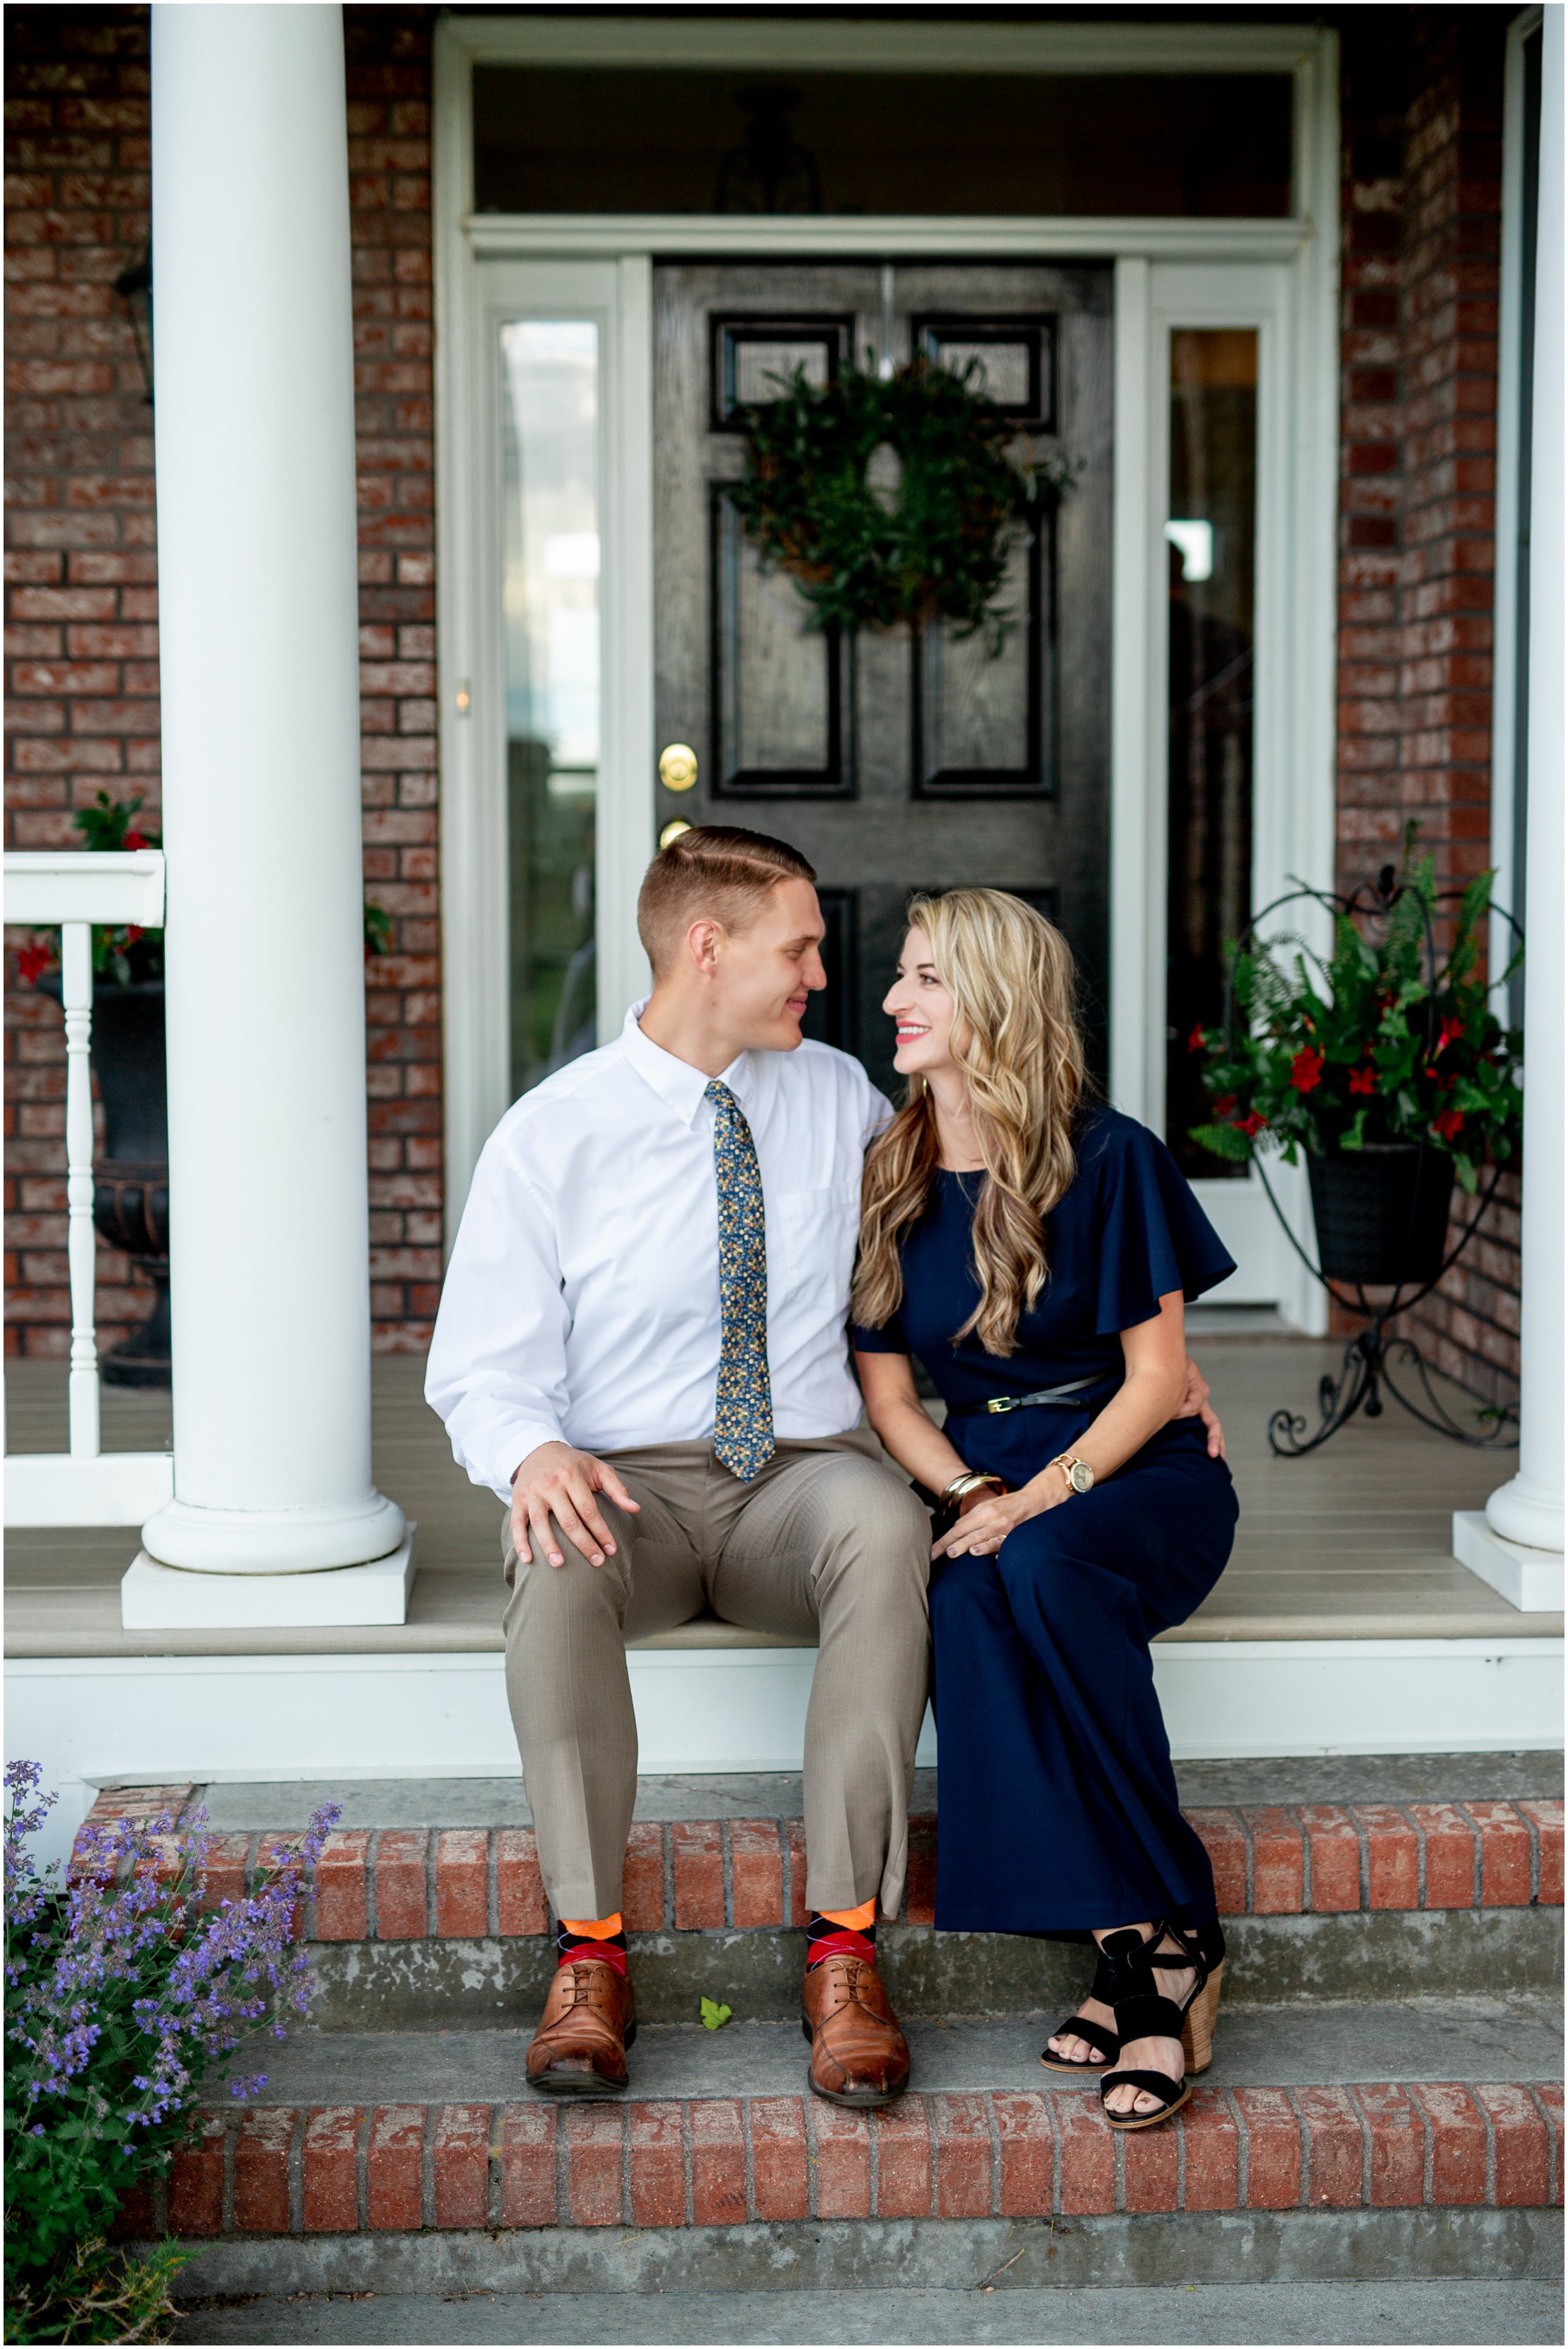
[{"x": 1057, "y": 1802}]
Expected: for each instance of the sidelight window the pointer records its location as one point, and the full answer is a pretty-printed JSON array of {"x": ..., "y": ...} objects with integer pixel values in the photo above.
[
  {"x": 550, "y": 605},
  {"x": 1210, "y": 539}
]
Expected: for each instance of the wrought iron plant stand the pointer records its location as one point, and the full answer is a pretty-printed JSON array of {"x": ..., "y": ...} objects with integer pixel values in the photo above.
[{"x": 1366, "y": 1367}]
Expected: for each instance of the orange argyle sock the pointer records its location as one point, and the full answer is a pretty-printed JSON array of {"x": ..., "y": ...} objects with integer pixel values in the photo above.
[
  {"x": 599, "y": 1937},
  {"x": 842, "y": 1932}
]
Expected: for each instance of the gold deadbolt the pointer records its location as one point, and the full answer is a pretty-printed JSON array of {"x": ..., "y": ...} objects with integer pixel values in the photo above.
[
  {"x": 672, "y": 831},
  {"x": 677, "y": 766}
]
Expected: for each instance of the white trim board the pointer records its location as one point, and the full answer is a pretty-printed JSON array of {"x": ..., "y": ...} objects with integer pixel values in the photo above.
[
  {"x": 1301, "y": 252},
  {"x": 73, "y": 1488},
  {"x": 177, "y": 1718},
  {"x": 827, "y": 44},
  {"x": 1505, "y": 716}
]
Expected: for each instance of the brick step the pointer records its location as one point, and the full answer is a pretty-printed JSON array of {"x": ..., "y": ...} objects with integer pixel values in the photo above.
[
  {"x": 448, "y": 1926},
  {"x": 686, "y": 1875},
  {"x": 786, "y": 2164}
]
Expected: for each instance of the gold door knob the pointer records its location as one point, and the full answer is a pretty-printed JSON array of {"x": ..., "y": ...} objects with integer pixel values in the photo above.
[{"x": 677, "y": 766}]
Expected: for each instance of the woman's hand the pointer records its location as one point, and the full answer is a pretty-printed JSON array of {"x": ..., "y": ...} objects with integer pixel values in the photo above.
[{"x": 984, "y": 1526}]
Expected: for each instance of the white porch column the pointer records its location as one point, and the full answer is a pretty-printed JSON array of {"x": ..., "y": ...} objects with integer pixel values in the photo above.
[
  {"x": 256, "y": 538},
  {"x": 1519, "y": 1548}
]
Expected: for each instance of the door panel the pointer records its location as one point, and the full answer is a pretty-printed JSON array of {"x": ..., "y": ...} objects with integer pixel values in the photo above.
[{"x": 891, "y": 764}]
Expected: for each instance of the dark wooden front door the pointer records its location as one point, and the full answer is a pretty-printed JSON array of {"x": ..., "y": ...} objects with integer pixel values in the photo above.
[{"x": 893, "y": 764}]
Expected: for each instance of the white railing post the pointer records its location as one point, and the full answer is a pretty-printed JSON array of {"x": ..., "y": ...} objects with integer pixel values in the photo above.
[
  {"x": 69, "y": 890},
  {"x": 81, "y": 1240}
]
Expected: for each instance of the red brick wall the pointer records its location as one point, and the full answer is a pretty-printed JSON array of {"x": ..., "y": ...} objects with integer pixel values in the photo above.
[
  {"x": 390, "y": 196},
  {"x": 1423, "y": 120},
  {"x": 81, "y": 596}
]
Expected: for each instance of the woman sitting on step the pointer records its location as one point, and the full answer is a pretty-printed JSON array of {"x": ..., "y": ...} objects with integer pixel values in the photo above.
[{"x": 1032, "y": 1249}]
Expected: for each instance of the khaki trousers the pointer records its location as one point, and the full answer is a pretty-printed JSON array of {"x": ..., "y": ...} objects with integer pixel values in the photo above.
[{"x": 827, "y": 1543}]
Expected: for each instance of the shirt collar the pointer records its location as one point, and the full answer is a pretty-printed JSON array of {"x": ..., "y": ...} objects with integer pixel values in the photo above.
[{"x": 675, "y": 1081}]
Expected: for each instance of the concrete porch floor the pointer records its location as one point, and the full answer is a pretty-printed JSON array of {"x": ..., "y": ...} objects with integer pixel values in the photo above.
[{"x": 1352, "y": 1543}]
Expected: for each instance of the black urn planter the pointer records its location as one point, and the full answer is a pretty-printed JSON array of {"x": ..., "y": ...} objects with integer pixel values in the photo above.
[
  {"x": 130, "y": 1181},
  {"x": 1382, "y": 1214}
]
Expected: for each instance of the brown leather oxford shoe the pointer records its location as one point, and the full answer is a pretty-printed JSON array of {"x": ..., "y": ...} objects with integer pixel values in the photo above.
[
  {"x": 588, "y": 2023},
  {"x": 859, "y": 2055}
]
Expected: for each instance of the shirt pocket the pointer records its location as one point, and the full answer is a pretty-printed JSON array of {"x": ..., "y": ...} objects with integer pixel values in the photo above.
[{"x": 817, "y": 1236}]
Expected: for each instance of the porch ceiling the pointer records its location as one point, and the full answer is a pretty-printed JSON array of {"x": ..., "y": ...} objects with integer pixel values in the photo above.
[{"x": 1350, "y": 1544}]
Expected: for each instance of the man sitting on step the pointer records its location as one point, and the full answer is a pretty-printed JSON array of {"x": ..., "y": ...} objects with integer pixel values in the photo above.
[{"x": 642, "y": 1345}]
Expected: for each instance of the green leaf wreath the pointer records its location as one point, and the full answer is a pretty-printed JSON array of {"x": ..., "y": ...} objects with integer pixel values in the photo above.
[
  {"x": 936, "y": 547},
  {"x": 1363, "y": 1047}
]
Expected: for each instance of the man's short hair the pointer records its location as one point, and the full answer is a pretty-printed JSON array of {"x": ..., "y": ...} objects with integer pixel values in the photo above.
[{"x": 716, "y": 870}]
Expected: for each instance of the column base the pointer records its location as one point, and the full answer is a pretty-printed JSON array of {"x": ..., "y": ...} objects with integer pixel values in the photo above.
[
  {"x": 1528, "y": 1511},
  {"x": 1530, "y": 1579},
  {"x": 273, "y": 1542},
  {"x": 154, "y": 1598}
]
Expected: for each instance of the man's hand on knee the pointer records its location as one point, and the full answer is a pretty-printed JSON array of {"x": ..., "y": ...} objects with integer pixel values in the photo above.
[{"x": 560, "y": 1482}]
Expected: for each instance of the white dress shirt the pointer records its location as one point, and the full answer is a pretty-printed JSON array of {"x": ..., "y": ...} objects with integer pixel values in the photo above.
[{"x": 581, "y": 1300}]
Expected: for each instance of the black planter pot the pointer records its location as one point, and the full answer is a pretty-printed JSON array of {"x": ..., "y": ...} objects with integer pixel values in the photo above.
[
  {"x": 130, "y": 1181},
  {"x": 1382, "y": 1213}
]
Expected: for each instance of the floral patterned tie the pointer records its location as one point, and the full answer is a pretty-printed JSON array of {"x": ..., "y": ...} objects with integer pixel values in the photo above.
[{"x": 742, "y": 1412}]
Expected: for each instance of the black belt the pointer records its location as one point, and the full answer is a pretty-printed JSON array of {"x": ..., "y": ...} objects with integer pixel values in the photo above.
[{"x": 1023, "y": 1403}]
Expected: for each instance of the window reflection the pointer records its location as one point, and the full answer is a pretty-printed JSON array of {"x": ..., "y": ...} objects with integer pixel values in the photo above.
[
  {"x": 550, "y": 592},
  {"x": 1210, "y": 535}
]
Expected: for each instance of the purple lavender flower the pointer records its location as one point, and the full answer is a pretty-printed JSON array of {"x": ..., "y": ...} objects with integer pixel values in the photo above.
[{"x": 127, "y": 1989}]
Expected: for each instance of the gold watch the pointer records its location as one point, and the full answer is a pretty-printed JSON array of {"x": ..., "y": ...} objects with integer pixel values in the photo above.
[{"x": 1078, "y": 1474}]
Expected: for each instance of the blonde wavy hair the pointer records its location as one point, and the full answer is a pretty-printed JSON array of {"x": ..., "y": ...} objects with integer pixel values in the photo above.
[{"x": 1015, "y": 1037}]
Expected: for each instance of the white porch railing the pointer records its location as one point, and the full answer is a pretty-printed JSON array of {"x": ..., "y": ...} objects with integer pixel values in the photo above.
[{"x": 71, "y": 889}]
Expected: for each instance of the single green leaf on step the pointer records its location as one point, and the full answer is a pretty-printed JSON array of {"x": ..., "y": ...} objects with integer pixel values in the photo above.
[{"x": 714, "y": 2016}]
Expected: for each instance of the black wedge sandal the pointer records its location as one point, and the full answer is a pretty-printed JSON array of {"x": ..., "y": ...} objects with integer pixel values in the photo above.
[
  {"x": 1096, "y": 2034},
  {"x": 1144, "y": 2012}
]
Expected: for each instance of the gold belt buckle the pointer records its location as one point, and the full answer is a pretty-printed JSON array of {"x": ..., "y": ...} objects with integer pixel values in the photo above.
[{"x": 1001, "y": 1403}]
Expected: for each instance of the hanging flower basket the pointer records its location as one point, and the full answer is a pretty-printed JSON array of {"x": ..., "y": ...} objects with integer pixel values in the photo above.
[{"x": 930, "y": 544}]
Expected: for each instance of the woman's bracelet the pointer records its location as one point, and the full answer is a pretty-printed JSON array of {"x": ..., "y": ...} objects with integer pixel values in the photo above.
[{"x": 969, "y": 1481}]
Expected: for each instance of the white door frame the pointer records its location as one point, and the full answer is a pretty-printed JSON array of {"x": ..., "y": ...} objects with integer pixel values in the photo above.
[
  {"x": 466, "y": 246},
  {"x": 1292, "y": 796}
]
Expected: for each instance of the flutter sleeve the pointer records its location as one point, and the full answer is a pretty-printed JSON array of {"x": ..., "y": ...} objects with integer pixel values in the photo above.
[{"x": 1154, "y": 1238}]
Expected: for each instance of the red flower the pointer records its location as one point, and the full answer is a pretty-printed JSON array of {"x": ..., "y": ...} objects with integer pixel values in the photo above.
[
  {"x": 1225, "y": 1103},
  {"x": 1450, "y": 1123},
  {"x": 1446, "y": 1034},
  {"x": 1363, "y": 1081},
  {"x": 133, "y": 932},
  {"x": 1253, "y": 1124},
  {"x": 136, "y": 840},
  {"x": 1306, "y": 1070},
  {"x": 32, "y": 962},
  {"x": 1195, "y": 1041}
]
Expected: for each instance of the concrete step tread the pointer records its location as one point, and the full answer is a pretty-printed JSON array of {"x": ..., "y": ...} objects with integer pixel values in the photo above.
[
  {"x": 1419, "y": 2313},
  {"x": 749, "y": 1794},
  {"x": 1469, "y": 2039}
]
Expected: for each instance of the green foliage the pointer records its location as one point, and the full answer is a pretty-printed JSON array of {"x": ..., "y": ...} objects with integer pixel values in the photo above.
[
  {"x": 1359, "y": 1049},
  {"x": 123, "y": 956},
  {"x": 101, "y": 2294},
  {"x": 714, "y": 2016},
  {"x": 937, "y": 547}
]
